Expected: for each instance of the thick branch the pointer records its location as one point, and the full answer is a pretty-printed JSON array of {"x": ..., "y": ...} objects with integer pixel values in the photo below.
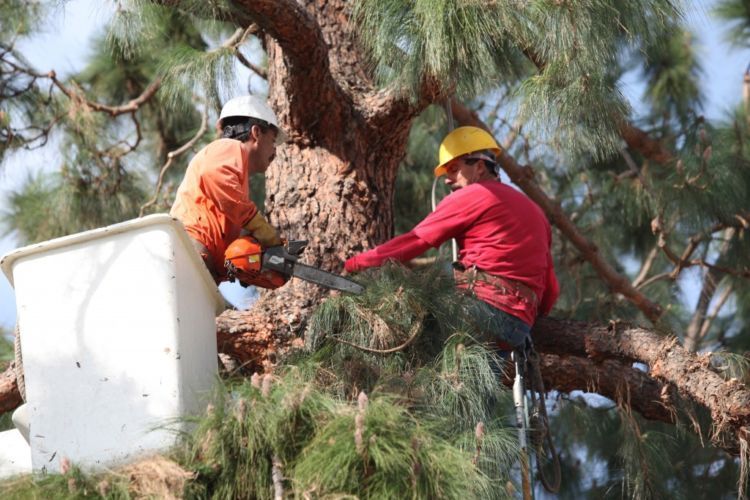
[
  {"x": 618, "y": 381},
  {"x": 295, "y": 30},
  {"x": 524, "y": 178},
  {"x": 300, "y": 68},
  {"x": 384, "y": 107},
  {"x": 640, "y": 141},
  {"x": 727, "y": 400}
]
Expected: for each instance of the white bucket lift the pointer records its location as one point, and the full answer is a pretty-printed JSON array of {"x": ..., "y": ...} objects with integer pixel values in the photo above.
[{"x": 118, "y": 341}]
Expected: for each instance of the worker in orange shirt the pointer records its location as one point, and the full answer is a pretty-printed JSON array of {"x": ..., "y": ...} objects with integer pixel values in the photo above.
[{"x": 213, "y": 200}]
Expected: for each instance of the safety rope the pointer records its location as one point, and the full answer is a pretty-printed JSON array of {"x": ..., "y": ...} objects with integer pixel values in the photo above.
[
  {"x": 539, "y": 431},
  {"x": 18, "y": 363},
  {"x": 449, "y": 121}
]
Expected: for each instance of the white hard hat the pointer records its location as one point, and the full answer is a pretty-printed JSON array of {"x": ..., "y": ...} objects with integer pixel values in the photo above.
[{"x": 252, "y": 107}]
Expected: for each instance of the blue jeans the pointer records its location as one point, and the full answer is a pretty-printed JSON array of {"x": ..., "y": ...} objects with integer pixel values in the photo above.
[{"x": 495, "y": 325}]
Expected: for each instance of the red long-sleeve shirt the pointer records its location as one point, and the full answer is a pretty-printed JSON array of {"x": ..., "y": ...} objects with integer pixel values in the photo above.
[{"x": 499, "y": 230}]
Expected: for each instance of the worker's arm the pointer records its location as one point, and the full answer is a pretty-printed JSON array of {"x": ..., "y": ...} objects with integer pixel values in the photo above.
[{"x": 401, "y": 248}]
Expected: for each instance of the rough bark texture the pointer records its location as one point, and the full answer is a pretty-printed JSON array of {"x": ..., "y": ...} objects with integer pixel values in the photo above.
[
  {"x": 10, "y": 398},
  {"x": 332, "y": 183},
  {"x": 668, "y": 362}
]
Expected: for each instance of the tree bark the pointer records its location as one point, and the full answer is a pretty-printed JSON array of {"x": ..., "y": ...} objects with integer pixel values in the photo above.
[
  {"x": 10, "y": 398},
  {"x": 332, "y": 183},
  {"x": 728, "y": 401}
]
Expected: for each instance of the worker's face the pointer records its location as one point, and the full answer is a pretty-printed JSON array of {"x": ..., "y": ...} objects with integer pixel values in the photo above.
[
  {"x": 262, "y": 149},
  {"x": 461, "y": 172}
]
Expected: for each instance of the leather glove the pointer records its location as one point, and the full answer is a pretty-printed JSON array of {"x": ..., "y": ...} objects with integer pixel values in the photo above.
[{"x": 262, "y": 231}]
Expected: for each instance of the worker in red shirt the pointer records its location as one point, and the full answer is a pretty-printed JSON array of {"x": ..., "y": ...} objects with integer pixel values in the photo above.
[
  {"x": 213, "y": 200},
  {"x": 503, "y": 237}
]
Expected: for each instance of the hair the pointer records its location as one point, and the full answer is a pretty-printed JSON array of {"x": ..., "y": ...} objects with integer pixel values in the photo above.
[
  {"x": 490, "y": 162},
  {"x": 239, "y": 127}
]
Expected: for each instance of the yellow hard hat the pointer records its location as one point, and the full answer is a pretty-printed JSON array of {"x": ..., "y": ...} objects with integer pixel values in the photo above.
[{"x": 464, "y": 140}]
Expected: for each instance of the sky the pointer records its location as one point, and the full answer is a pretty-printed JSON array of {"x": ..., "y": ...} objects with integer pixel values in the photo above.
[{"x": 64, "y": 48}]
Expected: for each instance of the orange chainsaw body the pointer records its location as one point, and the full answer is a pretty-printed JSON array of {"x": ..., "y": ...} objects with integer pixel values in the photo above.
[{"x": 244, "y": 262}]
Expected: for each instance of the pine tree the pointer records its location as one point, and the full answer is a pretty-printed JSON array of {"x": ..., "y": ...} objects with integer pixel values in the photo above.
[{"x": 635, "y": 205}]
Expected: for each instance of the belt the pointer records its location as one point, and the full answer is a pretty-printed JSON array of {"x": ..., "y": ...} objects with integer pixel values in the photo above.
[{"x": 504, "y": 286}]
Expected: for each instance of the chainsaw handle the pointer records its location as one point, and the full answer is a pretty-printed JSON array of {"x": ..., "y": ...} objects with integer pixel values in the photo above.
[
  {"x": 296, "y": 247},
  {"x": 278, "y": 259}
]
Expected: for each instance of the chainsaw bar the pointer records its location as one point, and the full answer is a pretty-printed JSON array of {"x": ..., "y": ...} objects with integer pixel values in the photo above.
[
  {"x": 326, "y": 279},
  {"x": 285, "y": 261}
]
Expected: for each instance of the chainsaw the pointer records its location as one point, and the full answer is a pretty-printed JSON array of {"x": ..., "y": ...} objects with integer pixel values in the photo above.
[{"x": 249, "y": 263}]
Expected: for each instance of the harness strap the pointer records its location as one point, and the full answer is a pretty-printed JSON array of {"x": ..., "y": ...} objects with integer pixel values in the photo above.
[{"x": 504, "y": 286}]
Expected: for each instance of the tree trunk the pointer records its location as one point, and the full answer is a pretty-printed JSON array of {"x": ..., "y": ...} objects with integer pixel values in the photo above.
[{"x": 332, "y": 183}]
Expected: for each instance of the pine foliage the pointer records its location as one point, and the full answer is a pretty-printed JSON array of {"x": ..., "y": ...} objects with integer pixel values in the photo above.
[
  {"x": 555, "y": 54},
  {"x": 394, "y": 425}
]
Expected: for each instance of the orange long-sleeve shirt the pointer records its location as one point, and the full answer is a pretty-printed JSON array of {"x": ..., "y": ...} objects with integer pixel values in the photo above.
[{"x": 213, "y": 200}]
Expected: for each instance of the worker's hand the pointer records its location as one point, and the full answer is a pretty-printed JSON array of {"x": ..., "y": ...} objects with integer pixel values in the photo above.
[
  {"x": 262, "y": 231},
  {"x": 352, "y": 266}
]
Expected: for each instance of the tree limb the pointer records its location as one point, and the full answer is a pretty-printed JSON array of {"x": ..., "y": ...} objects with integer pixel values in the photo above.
[
  {"x": 727, "y": 400},
  {"x": 640, "y": 141},
  {"x": 293, "y": 28},
  {"x": 129, "y": 107},
  {"x": 618, "y": 381}
]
